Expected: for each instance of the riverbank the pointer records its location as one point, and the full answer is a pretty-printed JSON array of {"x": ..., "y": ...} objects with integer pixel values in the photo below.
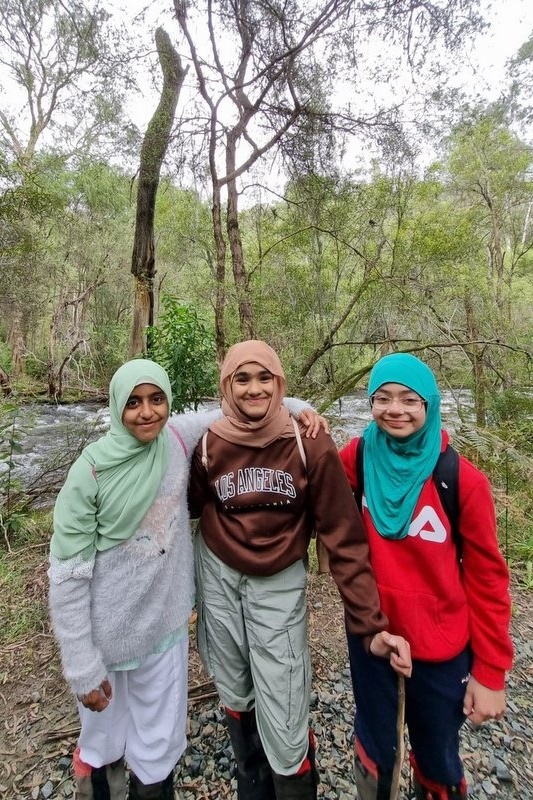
[{"x": 39, "y": 721}]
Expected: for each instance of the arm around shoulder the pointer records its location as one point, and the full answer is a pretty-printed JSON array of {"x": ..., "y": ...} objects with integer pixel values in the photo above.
[{"x": 192, "y": 425}]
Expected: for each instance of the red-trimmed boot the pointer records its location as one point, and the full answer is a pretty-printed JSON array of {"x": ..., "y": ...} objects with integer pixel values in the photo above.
[
  {"x": 426, "y": 789},
  {"x": 99, "y": 783},
  {"x": 304, "y": 783},
  {"x": 254, "y": 776},
  {"x": 370, "y": 782},
  {"x": 161, "y": 790}
]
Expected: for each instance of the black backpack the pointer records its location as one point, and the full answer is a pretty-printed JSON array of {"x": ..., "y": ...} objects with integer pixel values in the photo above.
[{"x": 445, "y": 477}]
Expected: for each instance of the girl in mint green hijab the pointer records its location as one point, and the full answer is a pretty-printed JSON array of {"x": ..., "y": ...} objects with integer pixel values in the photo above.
[
  {"x": 398, "y": 461},
  {"x": 122, "y": 585},
  {"x": 128, "y": 472}
]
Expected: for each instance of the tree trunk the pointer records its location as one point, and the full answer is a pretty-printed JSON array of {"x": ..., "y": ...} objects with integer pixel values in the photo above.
[
  {"x": 234, "y": 237},
  {"x": 4, "y": 383},
  {"x": 220, "y": 245},
  {"x": 15, "y": 340},
  {"x": 55, "y": 372},
  {"x": 329, "y": 337},
  {"x": 475, "y": 355},
  {"x": 153, "y": 150}
]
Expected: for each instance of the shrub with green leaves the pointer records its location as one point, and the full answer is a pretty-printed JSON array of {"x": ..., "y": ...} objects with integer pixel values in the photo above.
[
  {"x": 183, "y": 344},
  {"x": 14, "y": 502}
]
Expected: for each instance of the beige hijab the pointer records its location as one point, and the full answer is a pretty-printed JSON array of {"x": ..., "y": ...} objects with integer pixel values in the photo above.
[{"x": 235, "y": 426}]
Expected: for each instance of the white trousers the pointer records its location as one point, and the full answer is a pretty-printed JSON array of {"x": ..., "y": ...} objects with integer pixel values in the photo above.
[{"x": 145, "y": 722}]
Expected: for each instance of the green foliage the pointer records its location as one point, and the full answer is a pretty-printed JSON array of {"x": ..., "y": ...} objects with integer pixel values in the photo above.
[
  {"x": 501, "y": 454},
  {"x": 26, "y": 195},
  {"x": 101, "y": 191},
  {"x": 14, "y": 502},
  {"x": 526, "y": 581},
  {"x": 36, "y": 367},
  {"x": 5, "y": 356},
  {"x": 513, "y": 408},
  {"x": 19, "y": 614},
  {"x": 23, "y": 609},
  {"x": 184, "y": 346},
  {"x": 109, "y": 345}
]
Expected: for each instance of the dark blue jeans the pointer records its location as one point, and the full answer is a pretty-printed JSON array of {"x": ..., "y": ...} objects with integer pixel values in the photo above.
[{"x": 433, "y": 711}]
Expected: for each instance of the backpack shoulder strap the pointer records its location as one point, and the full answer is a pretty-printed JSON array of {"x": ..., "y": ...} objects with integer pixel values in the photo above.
[
  {"x": 446, "y": 477},
  {"x": 358, "y": 491},
  {"x": 178, "y": 436},
  {"x": 204, "y": 450},
  {"x": 299, "y": 442}
]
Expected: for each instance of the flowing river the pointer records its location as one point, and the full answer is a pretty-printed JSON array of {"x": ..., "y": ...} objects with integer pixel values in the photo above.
[{"x": 51, "y": 436}]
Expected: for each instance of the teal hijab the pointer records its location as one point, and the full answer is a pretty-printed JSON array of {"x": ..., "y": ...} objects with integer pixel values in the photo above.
[
  {"x": 113, "y": 483},
  {"x": 395, "y": 470}
]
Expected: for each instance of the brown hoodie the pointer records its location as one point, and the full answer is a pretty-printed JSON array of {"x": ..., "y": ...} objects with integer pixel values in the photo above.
[{"x": 259, "y": 507}]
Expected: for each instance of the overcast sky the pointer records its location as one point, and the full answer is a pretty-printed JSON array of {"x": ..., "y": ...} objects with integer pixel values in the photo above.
[
  {"x": 483, "y": 69},
  {"x": 511, "y": 25}
]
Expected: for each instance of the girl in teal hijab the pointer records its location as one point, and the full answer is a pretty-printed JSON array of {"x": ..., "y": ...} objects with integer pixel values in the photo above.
[
  {"x": 128, "y": 472},
  {"x": 454, "y": 611},
  {"x": 396, "y": 468}
]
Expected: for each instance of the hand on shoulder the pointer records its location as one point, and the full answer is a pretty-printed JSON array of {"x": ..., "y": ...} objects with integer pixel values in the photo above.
[{"x": 313, "y": 422}]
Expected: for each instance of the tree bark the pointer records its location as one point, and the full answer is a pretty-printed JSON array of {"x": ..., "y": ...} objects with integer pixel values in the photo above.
[
  {"x": 153, "y": 150},
  {"x": 4, "y": 383},
  {"x": 246, "y": 88},
  {"x": 15, "y": 340},
  {"x": 475, "y": 355},
  {"x": 235, "y": 243}
]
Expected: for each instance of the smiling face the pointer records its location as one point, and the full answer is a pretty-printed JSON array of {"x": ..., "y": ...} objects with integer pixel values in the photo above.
[
  {"x": 398, "y": 410},
  {"x": 146, "y": 412},
  {"x": 252, "y": 388}
]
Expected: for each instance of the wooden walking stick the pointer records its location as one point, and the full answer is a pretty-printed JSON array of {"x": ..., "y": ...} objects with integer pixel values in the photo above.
[{"x": 400, "y": 742}]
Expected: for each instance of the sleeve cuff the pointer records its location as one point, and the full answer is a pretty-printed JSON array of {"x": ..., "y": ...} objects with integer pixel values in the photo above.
[{"x": 488, "y": 675}]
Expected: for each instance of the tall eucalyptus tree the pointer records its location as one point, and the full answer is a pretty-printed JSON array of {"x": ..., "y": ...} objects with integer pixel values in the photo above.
[
  {"x": 268, "y": 77},
  {"x": 153, "y": 151}
]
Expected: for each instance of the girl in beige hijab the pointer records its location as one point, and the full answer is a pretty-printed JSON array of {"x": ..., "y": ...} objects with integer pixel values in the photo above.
[{"x": 261, "y": 491}]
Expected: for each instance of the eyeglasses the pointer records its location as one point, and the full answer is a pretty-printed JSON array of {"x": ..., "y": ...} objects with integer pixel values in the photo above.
[{"x": 382, "y": 402}]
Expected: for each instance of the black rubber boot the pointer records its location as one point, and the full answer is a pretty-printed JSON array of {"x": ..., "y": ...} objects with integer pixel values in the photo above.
[
  {"x": 303, "y": 785},
  {"x": 370, "y": 783},
  {"x": 162, "y": 790},
  {"x": 103, "y": 783},
  {"x": 254, "y": 776},
  {"x": 100, "y": 784},
  {"x": 116, "y": 780}
]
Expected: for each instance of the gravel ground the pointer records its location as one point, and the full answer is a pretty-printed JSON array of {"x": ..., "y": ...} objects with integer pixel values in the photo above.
[
  {"x": 39, "y": 725},
  {"x": 498, "y": 756}
]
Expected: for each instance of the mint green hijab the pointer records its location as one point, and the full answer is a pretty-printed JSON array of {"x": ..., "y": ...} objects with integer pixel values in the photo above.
[
  {"x": 395, "y": 470},
  {"x": 113, "y": 483}
]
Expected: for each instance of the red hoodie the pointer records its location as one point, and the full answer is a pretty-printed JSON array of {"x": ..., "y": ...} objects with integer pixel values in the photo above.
[{"x": 429, "y": 599}]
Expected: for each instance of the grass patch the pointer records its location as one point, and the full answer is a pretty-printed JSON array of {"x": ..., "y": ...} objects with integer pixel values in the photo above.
[
  {"x": 23, "y": 585},
  {"x": 312, "y": 557}
]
